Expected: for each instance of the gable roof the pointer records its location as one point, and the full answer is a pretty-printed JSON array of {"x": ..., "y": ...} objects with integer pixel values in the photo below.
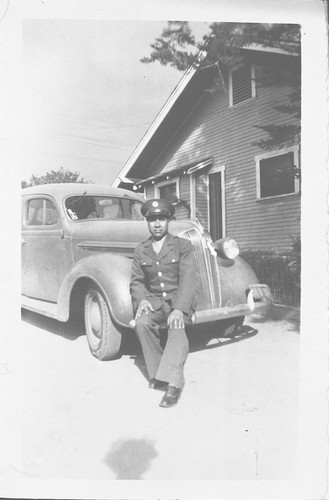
[
  {"x": 162, "y": 126},
  {"x": 165, "y": 122},
  {"x": 182, "y": 84}
]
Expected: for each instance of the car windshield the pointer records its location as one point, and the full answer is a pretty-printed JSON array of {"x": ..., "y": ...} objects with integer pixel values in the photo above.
[{"x": 102, "y": 207}]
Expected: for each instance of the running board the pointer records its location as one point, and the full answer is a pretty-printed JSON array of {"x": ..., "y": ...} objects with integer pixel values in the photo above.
[{"x": 41, "y": 307}]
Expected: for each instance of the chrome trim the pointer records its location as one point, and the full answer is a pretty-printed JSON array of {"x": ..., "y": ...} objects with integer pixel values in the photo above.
[
  {"x": 262, "y": 307},
  {"x": 105, "y": 246},
  {"x": 208, "y": 285}
]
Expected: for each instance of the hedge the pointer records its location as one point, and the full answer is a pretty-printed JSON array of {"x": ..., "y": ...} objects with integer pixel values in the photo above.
[{"x": 280, "y": 271}]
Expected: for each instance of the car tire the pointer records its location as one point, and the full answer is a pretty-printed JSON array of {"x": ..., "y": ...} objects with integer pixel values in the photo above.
[
  {"x": 229, "y": 328},
  {"x": 103, "y": 337}
]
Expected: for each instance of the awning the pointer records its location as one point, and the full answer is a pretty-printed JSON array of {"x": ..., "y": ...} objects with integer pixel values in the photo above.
[
  {"x": 127, "y": 180},
  {"x": 187, "y": 170}
]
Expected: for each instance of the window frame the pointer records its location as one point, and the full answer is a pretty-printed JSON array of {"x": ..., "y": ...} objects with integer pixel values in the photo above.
[
  {"x": 214, "y": 170},
  {"x": 41, "y": 226},
  {"x": 172, "y": 180},
  {"x": 253, "y": 84},
  {"x": 272, "y": 154}
]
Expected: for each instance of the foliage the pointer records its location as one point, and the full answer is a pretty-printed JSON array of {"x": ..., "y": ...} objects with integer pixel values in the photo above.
[
  {"x": 285, "y": 135},
  {"x": 294, "y": 265},
  {"x": 177, "y": 47},
  {"x": 280, "y": 271},
  {"x": 54, "y": 177}
]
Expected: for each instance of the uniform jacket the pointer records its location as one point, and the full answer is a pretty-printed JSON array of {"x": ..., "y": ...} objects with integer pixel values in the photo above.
[{"x": 169, "y": 275}]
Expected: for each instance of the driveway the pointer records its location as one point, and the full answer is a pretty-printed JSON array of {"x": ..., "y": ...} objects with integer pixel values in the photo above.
[{"x": 83, "y": 418}]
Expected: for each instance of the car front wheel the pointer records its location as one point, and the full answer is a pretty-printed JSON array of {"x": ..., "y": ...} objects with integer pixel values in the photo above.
[{"x": 103, "y": 337}]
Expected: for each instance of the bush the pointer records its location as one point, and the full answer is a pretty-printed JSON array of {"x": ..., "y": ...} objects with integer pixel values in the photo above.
[{"x": 281, "y": 272}]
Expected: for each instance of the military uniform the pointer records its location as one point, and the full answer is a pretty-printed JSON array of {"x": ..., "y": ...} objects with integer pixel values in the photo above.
[{"x": 167, "y": 280}]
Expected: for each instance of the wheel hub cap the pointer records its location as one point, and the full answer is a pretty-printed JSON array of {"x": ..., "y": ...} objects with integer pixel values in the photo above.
[{"x": 95, "y": 318}]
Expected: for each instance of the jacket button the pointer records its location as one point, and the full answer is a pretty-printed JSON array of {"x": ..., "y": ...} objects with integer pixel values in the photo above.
[
  {"x": 157, "y": 263},
  {"x": 162, "y": 285},
  {"x": 159, "y": 273},
  {"x": 173, "y": 260},
  {"x": 164, "y": 294}
]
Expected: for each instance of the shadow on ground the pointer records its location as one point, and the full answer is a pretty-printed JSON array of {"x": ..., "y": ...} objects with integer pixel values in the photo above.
[
  {"x": 130, "y": 459},
  {"x": 71, "y": 330},
  {"x": 201, "y": 338},
  {"x": 207, "y": 338}
]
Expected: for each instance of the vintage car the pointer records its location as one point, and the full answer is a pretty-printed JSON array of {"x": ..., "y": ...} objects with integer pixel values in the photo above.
[{"x": 77, "y": 247}]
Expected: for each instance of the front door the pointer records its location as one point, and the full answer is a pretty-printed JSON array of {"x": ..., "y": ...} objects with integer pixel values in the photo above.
[{"x": 215, "y": 205}]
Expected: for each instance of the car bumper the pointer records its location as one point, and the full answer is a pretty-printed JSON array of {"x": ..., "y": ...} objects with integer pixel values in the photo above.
[{"x": 259, "y": 302}]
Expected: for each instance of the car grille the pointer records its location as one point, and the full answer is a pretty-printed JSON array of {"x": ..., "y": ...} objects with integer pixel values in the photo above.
[{"x": 208, "y": 285}]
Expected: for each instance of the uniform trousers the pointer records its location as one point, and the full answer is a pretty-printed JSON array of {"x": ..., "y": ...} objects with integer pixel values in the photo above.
[{"x": 162, "y": 363}]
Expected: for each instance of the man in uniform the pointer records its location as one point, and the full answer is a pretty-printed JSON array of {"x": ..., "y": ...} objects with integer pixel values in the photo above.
[{"x": 163, "y": 290}]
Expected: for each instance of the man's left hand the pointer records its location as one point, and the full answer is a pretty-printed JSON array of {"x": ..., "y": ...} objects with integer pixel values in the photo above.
[{"x": 176, "y": 319}]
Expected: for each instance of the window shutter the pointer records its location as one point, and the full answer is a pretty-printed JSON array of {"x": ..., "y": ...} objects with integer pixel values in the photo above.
[{"x": 241, "y": 84}]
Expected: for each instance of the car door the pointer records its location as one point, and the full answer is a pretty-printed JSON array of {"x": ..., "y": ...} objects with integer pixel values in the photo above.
[{"x": 46, "y": 248}]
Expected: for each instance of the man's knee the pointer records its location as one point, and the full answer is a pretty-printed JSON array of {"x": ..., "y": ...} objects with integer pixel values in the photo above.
[
  {"x": 176, "y": 331},
  {"x": 177, "y": 334}
]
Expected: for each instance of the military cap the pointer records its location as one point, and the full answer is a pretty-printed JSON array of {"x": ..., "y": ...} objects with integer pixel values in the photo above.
[{"x": 157, "y": 207}]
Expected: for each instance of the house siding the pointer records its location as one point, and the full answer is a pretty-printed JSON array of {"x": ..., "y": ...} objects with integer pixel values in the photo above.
[
  {"x": 149, "y": 191},
  {"x": 184, "y": 194},
  {"x": 213, "y": 129}
]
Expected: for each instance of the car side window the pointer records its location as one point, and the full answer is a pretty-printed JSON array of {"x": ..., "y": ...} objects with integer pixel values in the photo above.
[{"x": 41, "y": 212}]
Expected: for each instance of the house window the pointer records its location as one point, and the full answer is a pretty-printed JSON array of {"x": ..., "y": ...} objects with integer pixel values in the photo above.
[
  {"x": 242, "y": 84},
  {"x": 276, "y": 173},
  {"x": 167, "y": 190}
]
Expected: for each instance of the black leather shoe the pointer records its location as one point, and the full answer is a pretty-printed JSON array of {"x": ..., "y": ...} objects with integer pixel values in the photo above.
[
  {"x": 158, "y": 385},
  {"x": 171, "y": 397}
]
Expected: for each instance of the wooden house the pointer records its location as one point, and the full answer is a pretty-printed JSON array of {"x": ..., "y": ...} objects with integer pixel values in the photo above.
[{"x": 211, "y": 150}]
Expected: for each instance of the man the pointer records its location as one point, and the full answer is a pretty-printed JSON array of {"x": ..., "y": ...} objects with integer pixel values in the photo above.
[{"x": 163, "y": 290}]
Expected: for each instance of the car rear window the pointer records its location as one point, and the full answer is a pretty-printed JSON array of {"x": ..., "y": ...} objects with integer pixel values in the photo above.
[
  {"x": 102, "y": 207},
  {"x": 41, "y": 212}
]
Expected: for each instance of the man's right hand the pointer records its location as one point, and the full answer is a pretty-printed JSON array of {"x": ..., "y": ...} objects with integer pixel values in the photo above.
[{"x": 144, "y": 306}]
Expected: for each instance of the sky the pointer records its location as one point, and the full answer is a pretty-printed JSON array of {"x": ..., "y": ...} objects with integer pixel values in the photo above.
[{"x": 87, "y": 98}]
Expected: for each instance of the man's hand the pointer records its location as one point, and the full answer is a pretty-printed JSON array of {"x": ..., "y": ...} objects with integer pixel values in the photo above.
[
  {"x": 176, "y": 319},
  {"x": 144, "y": 306}
]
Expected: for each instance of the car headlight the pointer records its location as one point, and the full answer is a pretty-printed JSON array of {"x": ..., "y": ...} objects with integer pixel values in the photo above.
[{"x": 227, "y": 248}]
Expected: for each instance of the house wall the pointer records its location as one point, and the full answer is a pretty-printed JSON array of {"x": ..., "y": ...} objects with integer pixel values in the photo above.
[
  {"x": 212, "y": 129},
  {"x": 184, "y": 193}
]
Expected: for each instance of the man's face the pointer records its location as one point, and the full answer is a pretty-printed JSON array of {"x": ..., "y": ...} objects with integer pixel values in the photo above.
[{"x": 158, "y": 226}]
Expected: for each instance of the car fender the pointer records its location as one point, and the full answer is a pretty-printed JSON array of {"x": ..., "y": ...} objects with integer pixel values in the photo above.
[
  {"x": 235, "y": 277},
  {"x": 111, "y": 273}
]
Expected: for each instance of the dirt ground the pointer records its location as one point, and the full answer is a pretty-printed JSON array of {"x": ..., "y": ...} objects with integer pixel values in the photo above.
[{"x": 82, "y": 418}]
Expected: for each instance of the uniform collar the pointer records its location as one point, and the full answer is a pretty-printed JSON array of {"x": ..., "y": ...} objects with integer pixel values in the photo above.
[{"x": 166, "y": 247}]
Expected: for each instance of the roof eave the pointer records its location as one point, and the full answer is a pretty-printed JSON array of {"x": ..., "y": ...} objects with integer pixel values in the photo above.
[
  {"x": 182, "y": 84},
  {"x": 169, "y": 104},
  {"x": 272, "y": 50}
]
